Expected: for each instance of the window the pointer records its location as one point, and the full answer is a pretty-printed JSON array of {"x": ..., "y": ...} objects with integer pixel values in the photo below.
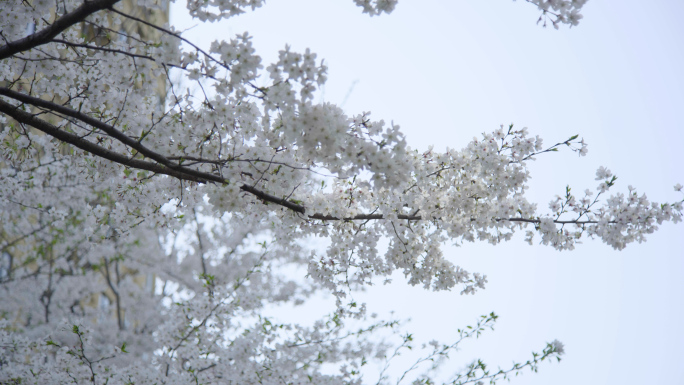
[
  {"x": 5, "y": 265},
  {"x": 103, "y": 308},
  {"x": 149, "y": 283},
  {"x": 30, "y": 28}
]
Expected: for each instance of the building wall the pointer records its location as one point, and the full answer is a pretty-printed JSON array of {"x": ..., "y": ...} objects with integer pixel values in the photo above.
[{"x": 29, "y": 254}]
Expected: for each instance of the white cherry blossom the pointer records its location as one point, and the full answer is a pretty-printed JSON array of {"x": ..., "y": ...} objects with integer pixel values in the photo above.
[{"x": 146, "y": 223}]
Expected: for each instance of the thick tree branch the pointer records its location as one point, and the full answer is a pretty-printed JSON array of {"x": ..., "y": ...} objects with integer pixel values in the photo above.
[
  {"x": 273, "y": 199},
  {"x": 26, "y": 118},
  {"x": 166, "y": 167},
  {"x": 108, "y": 129},
  {"x": 46, "y": 35}
]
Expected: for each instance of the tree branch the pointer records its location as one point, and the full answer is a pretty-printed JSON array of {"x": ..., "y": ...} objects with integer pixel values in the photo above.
[
  {"x": 108, "y": 129},
  {"x": 111, "y": 50},
  {"x": 46, "y": 34},
  {"x": 166, "y": 166},
  {"x": 83, "y": 144}
]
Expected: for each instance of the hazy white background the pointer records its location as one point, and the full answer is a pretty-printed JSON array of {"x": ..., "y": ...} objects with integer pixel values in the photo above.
[{"x": 447, "y": 71}]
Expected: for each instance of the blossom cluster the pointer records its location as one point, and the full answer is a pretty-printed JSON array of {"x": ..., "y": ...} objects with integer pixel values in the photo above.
[
  {"x": 376, "y": 7},
  {"x": 564, "y": 11}
]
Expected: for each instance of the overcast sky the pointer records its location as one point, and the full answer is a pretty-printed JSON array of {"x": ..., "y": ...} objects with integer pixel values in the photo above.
[{"x": 445, "y": 71}]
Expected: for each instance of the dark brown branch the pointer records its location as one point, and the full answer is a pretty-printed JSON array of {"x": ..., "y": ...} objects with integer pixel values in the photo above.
[
  {"x": 554, "y": 221},
  {"x": 362, "y": 217},
  {"x": 274, "y": 199},
  {"x": 206, "y": 368},
  {"x": 46, "y": 34},
  {"x": 166, "y": 168},
  {"x": 108, "y": 129},
  {"x": 24, "y": 117}
]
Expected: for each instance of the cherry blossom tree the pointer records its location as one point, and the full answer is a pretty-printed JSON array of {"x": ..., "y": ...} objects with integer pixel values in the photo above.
[{"x": 147, "y": 222}]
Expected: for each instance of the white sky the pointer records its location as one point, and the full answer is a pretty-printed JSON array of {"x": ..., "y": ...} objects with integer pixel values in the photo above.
[{"x": 447, "y": 71}]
